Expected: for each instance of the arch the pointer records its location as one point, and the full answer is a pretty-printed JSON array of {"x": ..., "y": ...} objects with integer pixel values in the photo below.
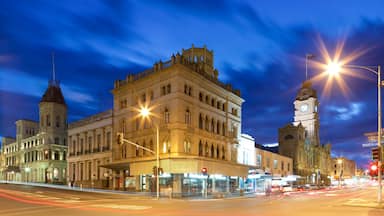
[{"x": 200, "y": 148}]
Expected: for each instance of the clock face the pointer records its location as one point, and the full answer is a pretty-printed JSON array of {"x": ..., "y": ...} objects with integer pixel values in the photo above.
[{"x": 304, "y": 108}]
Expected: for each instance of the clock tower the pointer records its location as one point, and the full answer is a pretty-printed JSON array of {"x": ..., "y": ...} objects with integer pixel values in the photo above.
[{"x": 306, "y": 113}]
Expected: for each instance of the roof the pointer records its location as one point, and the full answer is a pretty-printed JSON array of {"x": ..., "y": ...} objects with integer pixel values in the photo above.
[
  {"x": 306, "y": 91},
  {"x": 53, "y": 94}
]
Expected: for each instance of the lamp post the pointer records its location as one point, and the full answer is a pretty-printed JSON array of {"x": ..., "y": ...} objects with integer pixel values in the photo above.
[
  {"x": 145, "y": 113},
  {"x": 334, "y": 68}
]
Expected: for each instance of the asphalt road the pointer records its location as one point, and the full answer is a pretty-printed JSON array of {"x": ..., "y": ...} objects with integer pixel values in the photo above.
[{"x": 16, "y": 200}]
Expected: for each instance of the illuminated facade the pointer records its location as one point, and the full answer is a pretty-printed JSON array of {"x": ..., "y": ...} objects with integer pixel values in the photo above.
[
  {"x": 300, "y": 140},
  {"x": 90, "y": 147},
  {"x": 38, "y": 154},
  {"x": 343, "y": 168},
  {"x": 199, "y": 122}
]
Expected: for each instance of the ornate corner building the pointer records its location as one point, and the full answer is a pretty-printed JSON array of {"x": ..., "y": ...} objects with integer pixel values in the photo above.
[
  {"x": 199, "y": 123},
  {"x": 300, "y": 140},
  {"x": 38, "y": 154}
]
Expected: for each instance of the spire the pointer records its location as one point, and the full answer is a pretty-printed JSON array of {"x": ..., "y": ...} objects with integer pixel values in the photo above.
[{"x": 53, "y": 81}]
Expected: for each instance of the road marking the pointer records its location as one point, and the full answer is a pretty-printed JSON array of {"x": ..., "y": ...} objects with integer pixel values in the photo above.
[{"x": 125, "y": 207}]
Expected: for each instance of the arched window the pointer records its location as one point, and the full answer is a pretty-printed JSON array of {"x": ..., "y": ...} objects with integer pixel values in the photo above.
[
  {"x": 200, "y": 121},
  {"x": 218, "y": 127},
  {"x": 48, "y": 120},
  {"x": 223, "y": 130},
  {"x": 206, "y": 149},
  {"x": 206, "y": 123},
  {"x": 201, "y": 96},
  {"x": 187, "y": 117},
  {"x": 212, "y": 151},
  {"x": 187, "y": 146},
  {"x": 213, "y": 125},
  {"x": 200, "y": 148},
  {"x": 217, "y": 152},
  {"x": 223, "y": 153}
]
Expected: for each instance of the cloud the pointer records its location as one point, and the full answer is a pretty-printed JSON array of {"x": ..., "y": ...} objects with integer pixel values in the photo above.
[{"x": 346, "y": 113}]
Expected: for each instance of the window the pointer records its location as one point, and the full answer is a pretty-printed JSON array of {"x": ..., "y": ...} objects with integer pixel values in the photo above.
[
  {"x": 166, "y": 147},
  {"x": 143, "y": 98},
  {"x": 151, "y": 95},
  {"x": 217, "y": 152},
  {"x": 151, "y": 145},
  {"x": 274, "y": 164},
  {"x": 212, "y": 102},
  {"x": 98, "y": 141},
  {"x": 187, "y": 146},
  {"x": 282, "y": 165},
  {"x": 212, "y": 125},
  {"x": 200, "y": 121},
  {"x": 57, "y": 140},
  {"x": 166, "y": 116},
  {"x": 218, "y": 127},
  {"x": 258, "y": 160},
  {"x": 185, "y": 89},
  {"x": 168, "y": 88},
  {"x": 206, "y": 123},
  {"x": 206, "y": 149},
  {"x": 212, "y": 151},
  {"x": 108, "y": 140},
  {"x": 163, "y": 90},
  {"x": 48, "y": 120},
  {"x": 187, "y": 117},
  {"x": 200, "y": 148},
  {"x": 223, "y": 153},
  {"x": 288, "y": 137},
  {"x": 201, "y": 96},
  {"x": 206, "y": 99},
  {"x": 224, "y": 128},
  {"x": 288, "y": 167},
  {"x": 57, "y": 121}
]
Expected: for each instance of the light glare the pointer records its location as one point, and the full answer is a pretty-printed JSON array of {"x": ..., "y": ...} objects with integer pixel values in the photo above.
[{"x": 333, "y": 68}]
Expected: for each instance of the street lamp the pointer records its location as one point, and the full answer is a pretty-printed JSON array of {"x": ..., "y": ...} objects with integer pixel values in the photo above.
[
  {"x": 333, "y": 69},
  {"x": 145, "y": 113}
]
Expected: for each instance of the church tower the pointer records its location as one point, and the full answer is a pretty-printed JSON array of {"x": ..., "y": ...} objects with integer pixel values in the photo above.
[
  {"x": 306, "y": 113},
  {"x": 53, "y": 113}
]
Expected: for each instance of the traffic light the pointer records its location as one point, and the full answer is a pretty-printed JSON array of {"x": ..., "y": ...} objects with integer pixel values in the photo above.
[
  {"x": 376, "y": 154},
  {"x": 120, "y": 138},
  {"x": 204, "y": 171},
  {"x": 373, "y": 169}
]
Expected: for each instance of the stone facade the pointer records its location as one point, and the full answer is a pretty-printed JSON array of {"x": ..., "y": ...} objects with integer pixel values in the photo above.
[
  {"x": 198, "y": 118},
  {"x": 300, "y": 140},
  {"x": 38, "y": 154},
  {"x": 343, "y": 167},
  {"x": 89, "y": 148}
]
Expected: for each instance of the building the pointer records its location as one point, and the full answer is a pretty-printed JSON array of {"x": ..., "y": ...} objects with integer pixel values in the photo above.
[
  {"x": 343, "y": 168},
  {"x": 300, "y": 140},
  {"x": 199, "y": 123},
  {"x": 38, "y": 154},
  {"x": 90, "y": 147}
]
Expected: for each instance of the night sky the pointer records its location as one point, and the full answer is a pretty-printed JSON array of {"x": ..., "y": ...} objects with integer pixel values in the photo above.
[{"x": 259, "y": 45}]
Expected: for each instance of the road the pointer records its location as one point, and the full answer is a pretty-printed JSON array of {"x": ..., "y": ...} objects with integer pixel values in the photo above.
[{"x": 16, "y": 200}]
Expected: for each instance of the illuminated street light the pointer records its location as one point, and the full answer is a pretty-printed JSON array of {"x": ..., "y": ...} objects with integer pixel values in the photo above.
[
  {"x": 334, "y": 68},
  {"x": 145, "y": 113}
]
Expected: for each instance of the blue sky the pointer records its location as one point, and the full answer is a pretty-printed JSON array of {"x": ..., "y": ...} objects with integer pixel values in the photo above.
[{"x": 259, "y": 47}]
